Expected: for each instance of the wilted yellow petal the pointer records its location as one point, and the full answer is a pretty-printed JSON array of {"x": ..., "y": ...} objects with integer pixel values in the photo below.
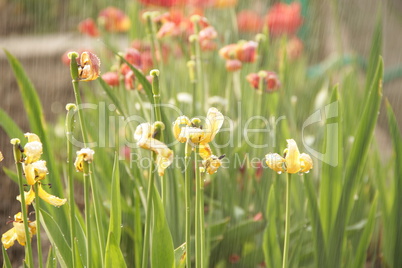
[
  {"x": 306, "y": 163},
  {"x": 51, "y": 199},
  {"x": 213, "y": 124},
  {"x": 180, "y": 122},
  {"x": 142, "y": 133},
  {"x": 1, "y": 157},
  {"x": 31, "y": 137},
  {"x": 8, "y": 238},
  {"x": 204, "y": 151},
  {"x": 35, "y": 171},
  {"x": 193, "y": 134},
  {"x": 85, "y": 154},
  {"x": 32, "y": 151},
  {"x": 29, "y": 196},
  {"x": 212, "y": 164},
  {"x": 89, "y": 68},
  {"x": 292, "y": 157},
  {"x": 275, "y": 162}
]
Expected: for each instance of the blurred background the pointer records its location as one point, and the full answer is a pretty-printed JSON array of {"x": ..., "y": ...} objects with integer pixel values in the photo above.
[{"x": 38, "y": 33}]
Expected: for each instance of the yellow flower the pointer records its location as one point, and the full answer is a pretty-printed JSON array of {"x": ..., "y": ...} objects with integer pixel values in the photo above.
[
  {"x": 293, "y": 162},
  {"x": 85, "y": 154},
  {"x": 212, "y": 163},
  {"x": 1, "y": 157},
  {"x": 89, "y": 68},
  {"x": 18, "y": 232},
  {"x": 35, "y": 172},
  {"x": 184, "y": 129},
  {"x": 48, "y": 198},
  {"x": 33, "y": 148},
  {"x": 144, "y": 135}
]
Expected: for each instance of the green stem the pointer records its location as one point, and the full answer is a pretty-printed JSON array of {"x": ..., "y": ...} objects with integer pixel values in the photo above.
[
  {"x": 87, "y": 214},
  {"x": 74, "y": 76},
  {"x": 151, "y": 33},
  {"x": 193, "y": 81},
  {"x": 287, "y": 223},
  {"x": 187, "y": 180},
  {"x": 147, "y": 235},
  {"x": 202, "y": 225},
  {"x": 17, "y": 158},
  {"x": 71, "y": 110},
  {"x": 38, "y": 236},
  {"x": 199, "y": 211}
]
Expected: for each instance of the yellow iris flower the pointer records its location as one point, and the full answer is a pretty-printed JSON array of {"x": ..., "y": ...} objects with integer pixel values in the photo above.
[
  {"x": 89, "y": 68},
  {"x": 45, "y": 196},
  {"x": 144, "y": 135},
  {"x": 35, "y": 171},
  {"x": 33, "y": 148},
  {"x": 18, "y": 232},
  {"x": 185, "y": 130},
  {"x": 86, "y": 155},
  {"x": 293, "y": 162}
]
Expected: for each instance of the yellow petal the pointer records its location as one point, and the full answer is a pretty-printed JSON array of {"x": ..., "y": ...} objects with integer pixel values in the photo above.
[
  {"x": 89, "y": 68},
  {"x": 35, "y": 171},
  {"x": 163, "y": 161},
  {"x": 29, "y": 172},
  {"x": 31, "y": 137},
  {"x": 85, "y": 154},
  {"x": 177, "y": 126},
  {"x": 306, "y": 163},
  {"x": 142, "y": 133},
  {"x": 205, "y": 151},
  {"x": 8, "y": 238},
  {"x": 32, "y": 151},
  {"x": 212, "y": 164},
  {"x": 292, "y": 157},
  {"x": 1, "y": 157},
  {"x": 193, "y": 134},
  {"x": 51, "y": 199},
  {"x": 213, "y": 124},
  {"x": 275, "y": 162},
  {"x": 29, "y": 197}
]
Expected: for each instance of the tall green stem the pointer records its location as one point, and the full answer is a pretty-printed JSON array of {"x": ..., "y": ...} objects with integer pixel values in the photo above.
[
  {"x": 196, "y": 51},
  {"x": 24, "y": 210},
  {"x": 187, "y": 181},
  {"x": 285, "y": 263},
  {"x": 74, "y": 76},
  {"x": 69, "y": 128},
  {"x": 148, "y": 216},
  {"x": 87, "y": 214},
  {"x": 38, "y": 236},
  {"x": 199, "y": 215},
  {"x": 202, "y": 225}
]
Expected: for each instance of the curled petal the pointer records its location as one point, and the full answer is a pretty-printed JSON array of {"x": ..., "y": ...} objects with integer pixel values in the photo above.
[
  {"x": 29, "y": 197},
  {"x": 212, "y": 164},
  {"x": 89, "y": 68},
  {"x": 8, "y": 238},
  {"x": 177, "y": 126},
  {"x": 33, "y": 151},
  {"x": 85, "y": 154},
  {"x": 306, "y": 163},
  {"x": 205, "y": 151},
  {"x": 193, "y": 134},
  {"x": 35, "y": 171},
  {"x": 51, "y": 199},
  {"x": 213, "y": 124},
  {"x": 275, "y": 162},
  {"x": 292, "y": 157},
  {"x": 164, "y": 160},
  {"x": 142, "y": 133},
  {"x": 31, "y": 137}
]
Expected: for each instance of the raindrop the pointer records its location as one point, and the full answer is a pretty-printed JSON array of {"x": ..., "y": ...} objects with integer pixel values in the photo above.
[
  {"x": 121, "y": 226},
  {"x": 307, "y": 171},
  {"x": 279, "y": 172},
  {"x": 301, "y": 174}
]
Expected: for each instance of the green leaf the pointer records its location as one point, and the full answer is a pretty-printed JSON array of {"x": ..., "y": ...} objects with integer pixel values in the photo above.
[
  {"x": 114, "y": 256},
  {"x": 11, "y": 174},
  {"x": 6, "y": 260},
  {"x": 356, "y": 164},
  {"x": 332, "y": 163},
  {"x": 115, "y": 210},
  {"x": 51, "y": 259},
  {"x": 10, "y": 127},
  {"x": 180, "y": 256},
  {"x": 397, "y": 202},
  {"x": 271, "y": 245},
  {"x": 364, "y": 242},
  {"x": 35, "y": 115},
  {"x": 162, "y": 253},
  {"x": 59, "y": 242}
]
